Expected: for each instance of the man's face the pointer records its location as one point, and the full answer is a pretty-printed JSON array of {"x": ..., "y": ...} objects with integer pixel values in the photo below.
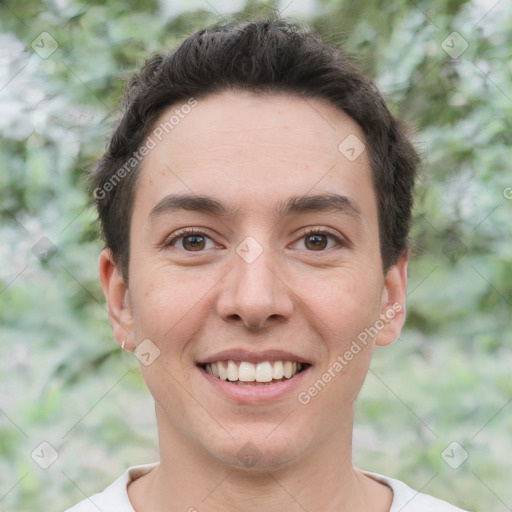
[{"x": 250, "y": 284}]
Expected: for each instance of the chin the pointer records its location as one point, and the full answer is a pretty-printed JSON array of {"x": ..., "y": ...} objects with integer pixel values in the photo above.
[{"x": 257, "y": 449}]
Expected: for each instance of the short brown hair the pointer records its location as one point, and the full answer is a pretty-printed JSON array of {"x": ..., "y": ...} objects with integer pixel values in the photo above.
[{"x": 261, "y": 57}]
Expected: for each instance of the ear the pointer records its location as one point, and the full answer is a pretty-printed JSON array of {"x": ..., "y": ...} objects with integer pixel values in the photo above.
[
  {"x": 118, "y": 301},
  {"x": 392, "y": 312}
]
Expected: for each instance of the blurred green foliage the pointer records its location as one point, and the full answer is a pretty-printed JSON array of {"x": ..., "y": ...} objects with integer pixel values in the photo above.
[{"x": 62, "y": 378}]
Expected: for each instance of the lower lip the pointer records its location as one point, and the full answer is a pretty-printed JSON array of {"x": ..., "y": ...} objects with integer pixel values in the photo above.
[{"x": 257, "y": 394}]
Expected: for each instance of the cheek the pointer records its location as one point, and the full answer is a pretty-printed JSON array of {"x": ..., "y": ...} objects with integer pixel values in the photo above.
[
  {"x": 346, "y": 300},
  {"x": 168, "y": 304}
]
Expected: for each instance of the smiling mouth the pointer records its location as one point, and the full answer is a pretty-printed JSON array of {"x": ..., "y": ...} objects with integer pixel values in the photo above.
[{"x": 243, "y": 373}]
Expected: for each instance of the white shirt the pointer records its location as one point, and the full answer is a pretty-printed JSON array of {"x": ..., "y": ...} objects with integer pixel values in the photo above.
[{"x": 115, "y": 497}]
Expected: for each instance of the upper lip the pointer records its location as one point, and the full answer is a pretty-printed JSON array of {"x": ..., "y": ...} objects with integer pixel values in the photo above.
[{"x": 252, "y": 356}]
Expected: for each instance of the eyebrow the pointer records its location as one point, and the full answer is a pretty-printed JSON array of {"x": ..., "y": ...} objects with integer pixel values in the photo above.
[{"x": 327, "y": 202}]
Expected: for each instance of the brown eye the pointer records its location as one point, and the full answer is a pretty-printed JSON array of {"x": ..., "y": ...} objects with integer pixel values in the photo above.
[
  {"x": 190, "y": 240},
  {"x": 316, "y": 241},
  {"x": 320, "y": 240},
  {"x": 193, "y": 242}
]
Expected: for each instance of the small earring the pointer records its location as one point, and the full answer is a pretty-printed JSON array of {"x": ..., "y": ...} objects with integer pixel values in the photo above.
[{"x": 122, "y": 344}]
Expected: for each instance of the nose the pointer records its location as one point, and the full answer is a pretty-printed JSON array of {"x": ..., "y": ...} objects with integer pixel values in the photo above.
[{"x": 255, "y": 293}]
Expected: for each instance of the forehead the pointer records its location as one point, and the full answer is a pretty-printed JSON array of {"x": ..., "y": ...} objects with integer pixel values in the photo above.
[{"x": 255, "y": 152}]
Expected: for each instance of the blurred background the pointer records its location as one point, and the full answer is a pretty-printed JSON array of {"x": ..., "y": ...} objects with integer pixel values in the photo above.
[{"x": 436, "y": 408}]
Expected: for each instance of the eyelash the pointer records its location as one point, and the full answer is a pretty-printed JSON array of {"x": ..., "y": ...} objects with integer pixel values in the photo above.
[
  {"x": 183, "y": 234},
  {"x": 309, "y": 231},
  {"x": 340, "y": 242}
]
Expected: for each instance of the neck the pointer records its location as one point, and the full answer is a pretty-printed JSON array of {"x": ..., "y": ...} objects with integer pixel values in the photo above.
[{"x": 324, "y": 479}]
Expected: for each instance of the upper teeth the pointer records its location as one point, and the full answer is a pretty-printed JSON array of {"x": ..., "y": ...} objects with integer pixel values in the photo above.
[{"x": 243, "y": 371}]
